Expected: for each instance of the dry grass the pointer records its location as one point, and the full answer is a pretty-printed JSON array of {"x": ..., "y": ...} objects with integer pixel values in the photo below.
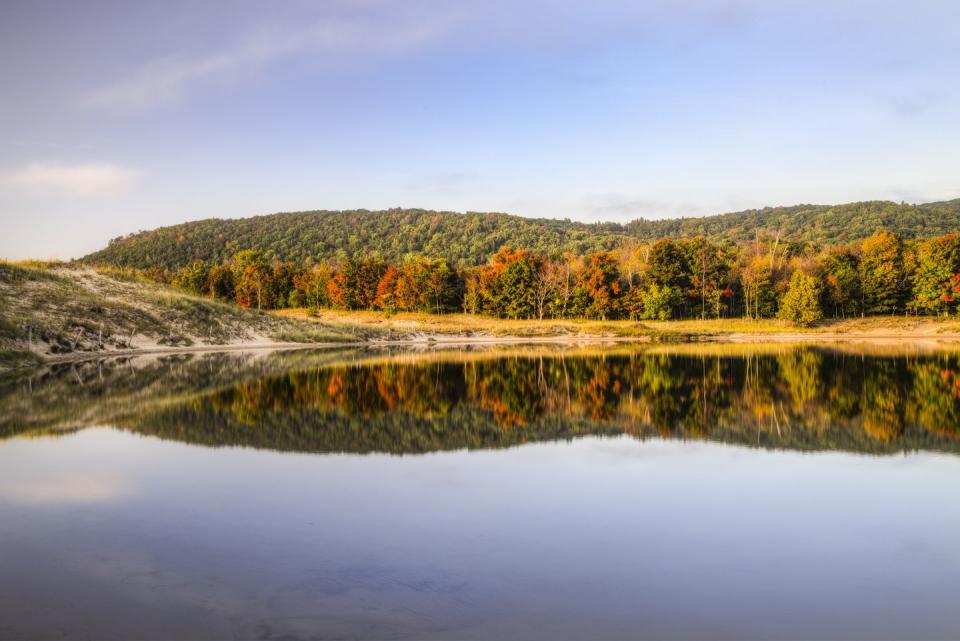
[{"x": 407, "y": 324}]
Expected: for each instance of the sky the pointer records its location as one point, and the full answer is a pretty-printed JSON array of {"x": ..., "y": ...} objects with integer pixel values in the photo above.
[{"x": 117, "y": 116}]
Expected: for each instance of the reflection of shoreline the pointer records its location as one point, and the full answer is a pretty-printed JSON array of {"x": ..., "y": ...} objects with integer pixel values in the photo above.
[
  {"x": 429, "y": 341},
  {"x": 883, "y": 345}
]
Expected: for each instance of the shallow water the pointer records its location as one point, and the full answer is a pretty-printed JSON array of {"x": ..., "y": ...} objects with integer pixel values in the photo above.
[{"x": 527, "y": 494}]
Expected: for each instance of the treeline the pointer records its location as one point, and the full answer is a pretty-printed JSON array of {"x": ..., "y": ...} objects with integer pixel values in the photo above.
[
  {"x": 468, "y": 240},
  {"x": 663, "y": 280}
]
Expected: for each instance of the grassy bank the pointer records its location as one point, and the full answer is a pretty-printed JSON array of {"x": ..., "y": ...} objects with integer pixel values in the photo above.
[
  {"x": 469, "y": 326},
  {"x": 405, "y": 324}
]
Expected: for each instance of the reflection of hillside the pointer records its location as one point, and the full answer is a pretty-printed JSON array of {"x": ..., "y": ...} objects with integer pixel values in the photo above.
[
  {"x": 802, "y": 399},
  {"x": 798, "y": 398}
]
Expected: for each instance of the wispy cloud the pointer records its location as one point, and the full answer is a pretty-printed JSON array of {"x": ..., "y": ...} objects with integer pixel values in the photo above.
[
  {"x": 914, "y": 105},
  {"x": 614, "y": 207},
  {"x": 448, "y": 183},
  {"x": 166, "y": 80},
  {"x": 87, "y": 179}
]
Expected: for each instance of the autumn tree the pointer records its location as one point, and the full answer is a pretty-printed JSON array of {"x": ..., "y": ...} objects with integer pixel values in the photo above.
[
  {"x": 841, "y": 276},
  {"x": 507, "y": 283},
  {"x": 312, "y": 283},
  {"x": 443, "y": 285},
  {"x": 252, "y": 276},
  {"x": 472, "y": 294},
  {"x": 386, "y": 298},
  {"x": 759, "y": 295},
  {"x": 600, "y": 281},
  {"x": 253, "y": 289},
  {"x": 367, "y": 276},
  {"x": 354, "y": 284},
  {"x": 563, "y": 275},
  {"x": 709, "y": 268},
  {"x": 882, "y": 273}
]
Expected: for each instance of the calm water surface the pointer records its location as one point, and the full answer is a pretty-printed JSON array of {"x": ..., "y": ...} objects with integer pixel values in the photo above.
[{"x": 616, "y": 494}]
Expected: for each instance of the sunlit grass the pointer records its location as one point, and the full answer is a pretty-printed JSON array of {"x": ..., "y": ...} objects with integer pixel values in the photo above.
[{"x": 468, "y": 325}]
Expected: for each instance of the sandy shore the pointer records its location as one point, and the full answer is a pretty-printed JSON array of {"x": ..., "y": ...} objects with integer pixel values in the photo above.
[{"x": 917, "y": 339}]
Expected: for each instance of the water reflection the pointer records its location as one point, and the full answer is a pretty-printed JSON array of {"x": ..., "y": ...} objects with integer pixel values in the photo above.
[
  {"x": 805, "y": 398},
  {"x": 106, "y": 534}
]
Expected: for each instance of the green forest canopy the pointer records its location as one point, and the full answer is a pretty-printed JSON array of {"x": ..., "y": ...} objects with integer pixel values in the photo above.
[{"x": 471, "y": 238}]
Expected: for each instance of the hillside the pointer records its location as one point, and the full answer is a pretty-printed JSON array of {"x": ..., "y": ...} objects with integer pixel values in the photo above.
[
  {"x": 817, "y": 224},
  {"x": 463, "y": 239},
  {"x": 471, "y": 238},
  {"x": 58, "y": 311}
]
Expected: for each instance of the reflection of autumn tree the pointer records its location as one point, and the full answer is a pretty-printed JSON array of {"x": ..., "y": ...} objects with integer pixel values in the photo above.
[
  {"x": 844, "y": 384},
  {"x": 800, "y": 371},
  {"x": 601, "y": 392},
  {"x": 805, "y": 398},
  {"x": 511, "y": 388},
  {"x": 714, "y": 380},
  {"x": 667, "y": 392},
  {"x": 883, "y": 399},
  {"x": 936, "y": 396},
  {"x": 248, "y": 401},
  {"x": 759, "y": 395},
  {"x": 423, "y": 390}
]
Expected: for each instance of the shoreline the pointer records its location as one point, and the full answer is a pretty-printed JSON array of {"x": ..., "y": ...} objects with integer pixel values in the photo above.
[{"x": 902, "y": 338}]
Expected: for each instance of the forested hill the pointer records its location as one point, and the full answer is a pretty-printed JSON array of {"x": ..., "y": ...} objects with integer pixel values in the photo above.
[
  {"x": 471, "y": 238},
  {"x": 463, "y": 239},
  {"x": 816, "y": 224}
]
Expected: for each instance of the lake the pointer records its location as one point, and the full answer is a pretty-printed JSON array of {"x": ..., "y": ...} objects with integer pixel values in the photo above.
[{"x": 532, "y": 492}]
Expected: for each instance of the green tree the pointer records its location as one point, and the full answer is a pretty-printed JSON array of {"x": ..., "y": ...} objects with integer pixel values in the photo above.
[
  {"x": 667, "y": 265},
  {"x": 938, "y": 262},
  {"x": 221, "y": 283},
  {"x": 517, "y": 287},
  {"x": 193, "y": 278},
  {"x": 659, "y": 302},
  {"x": 801, "y": 303},
  {"x": 282, "y": 279},
  {"x": 841, "y": 277}
]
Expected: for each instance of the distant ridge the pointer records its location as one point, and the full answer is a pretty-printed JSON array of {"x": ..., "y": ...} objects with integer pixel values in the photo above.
[{"x": 470, "y": 238}]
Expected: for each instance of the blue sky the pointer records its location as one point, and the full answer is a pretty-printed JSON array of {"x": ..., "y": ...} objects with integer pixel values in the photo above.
[{"x": 120, "y": 116}]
